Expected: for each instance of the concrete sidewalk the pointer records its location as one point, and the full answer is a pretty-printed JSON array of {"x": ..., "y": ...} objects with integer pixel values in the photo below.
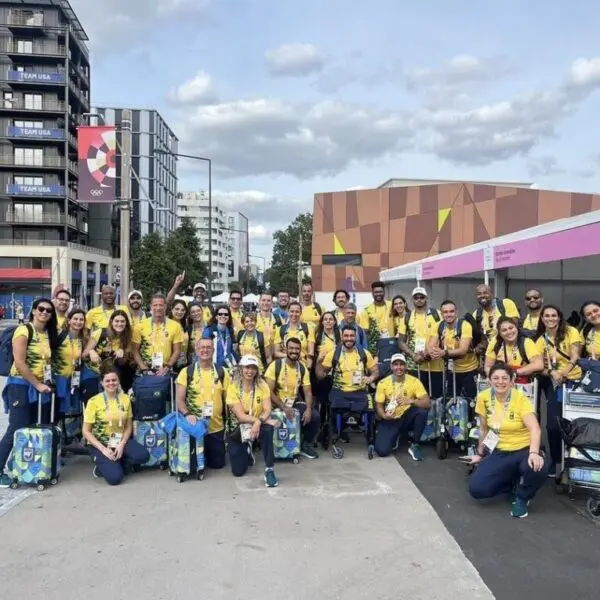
[{"x": 333, "y": 529}]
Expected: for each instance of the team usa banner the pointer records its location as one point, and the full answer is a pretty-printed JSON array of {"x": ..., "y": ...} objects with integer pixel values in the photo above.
[{"x": 97, "y": 154}]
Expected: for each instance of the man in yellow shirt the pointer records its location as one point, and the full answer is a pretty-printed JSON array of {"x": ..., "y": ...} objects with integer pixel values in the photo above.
[
  {"x": 203, "y": 396},
  {"x": 340, "y": 299},
  {"x": 534, "y": 302},
  {"x": 311, "y": 310},
  {"x": 289, "y": 382},
  {"x": 62, "y": 301},
  {"x": 402, "y": 403},
  {"x": 235, "y": 308},
  {"x": 452, "y": 343},
  {"x": 157, "y": 341},
  {"x": 378, "y": 311},
  {"x": 134, "y": 307},
  {"x": 98, "y": 317},
  {"x": 489, "y": 311},
  {"x": 266, "y": 322}
]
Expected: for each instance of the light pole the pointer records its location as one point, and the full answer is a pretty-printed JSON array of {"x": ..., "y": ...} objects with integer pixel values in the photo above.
[
  {"x": 264, "y": 265},
  {"x": 209, "y": 161}
]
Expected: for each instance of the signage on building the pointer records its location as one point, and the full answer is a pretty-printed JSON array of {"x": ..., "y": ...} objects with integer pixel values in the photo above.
[
  {"x": 36, "y": 132},
  {"x": 19, "y": 189},
  {"x": 36, "y": 77},
  {"x": 97, "y": 154}
]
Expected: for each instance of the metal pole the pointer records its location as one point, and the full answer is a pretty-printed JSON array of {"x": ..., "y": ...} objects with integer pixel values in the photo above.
[
  {"x": 126, "y": 207},
  {"x": 210, "y": 273},
  {"x": 300, "y": 265}
]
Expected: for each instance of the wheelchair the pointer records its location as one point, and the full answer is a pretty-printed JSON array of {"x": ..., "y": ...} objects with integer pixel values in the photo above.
[{"x": 348, "y": 412}]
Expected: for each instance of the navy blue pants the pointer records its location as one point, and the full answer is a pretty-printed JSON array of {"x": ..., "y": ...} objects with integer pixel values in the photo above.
[
  {"x": 21, "y": 413},
  {"x": 238, "y": 451},
  {"x": 437, "y": 381},
  {"x": 311, "y": 429},
  {"x": 499, "y": 472},
  {"x": 214, "y": 450},
  {"x": 114, "y": 470},
  {"x": 466, "y": 384},
  {"x": 388, "y": 432}
]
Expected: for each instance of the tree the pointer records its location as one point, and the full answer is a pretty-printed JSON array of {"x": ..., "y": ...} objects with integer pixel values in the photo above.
[
  {"x": 156, "y": 261},
  {"x": 283, "y": 274}
]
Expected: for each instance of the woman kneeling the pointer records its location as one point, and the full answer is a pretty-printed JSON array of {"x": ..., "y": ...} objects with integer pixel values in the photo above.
[
  {"x": 508, "y": 457},
  {"x": 107, "y": 426}
]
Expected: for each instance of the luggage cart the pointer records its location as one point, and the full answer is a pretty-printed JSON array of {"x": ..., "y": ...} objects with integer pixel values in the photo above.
[{"x": 580, "y": 467}]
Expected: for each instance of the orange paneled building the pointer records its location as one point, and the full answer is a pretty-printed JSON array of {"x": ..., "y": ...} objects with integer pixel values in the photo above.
[{"x": 358, "y": 233}]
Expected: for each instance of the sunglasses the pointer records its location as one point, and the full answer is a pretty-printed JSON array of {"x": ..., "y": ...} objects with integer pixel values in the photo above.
[
  {"x": 222, "y": 314},
  {"x": 418, "y": 297},
  {"x": 43, "y": 309},
  {"x": 528, "y": 298},
  {"x": 135, "y": 298}
]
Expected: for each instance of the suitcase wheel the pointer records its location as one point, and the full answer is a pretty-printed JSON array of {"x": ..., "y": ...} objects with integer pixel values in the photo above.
[
  {"x": 14, "y": 485},
  {"x": 180, "y": 479},
  {"x": 200, "y": 476},
  {"x": 54, "y": 481},
  {"x": 337, "y": 452},
  {"x": 295, "y": 460},
  {"x": 592, "y": 507},
  {"x": 41, "y": 487},
  {"x": 171, "y": 473},
  {"x": 441, "y": 448},
  {"x": 370, "y": 451}
]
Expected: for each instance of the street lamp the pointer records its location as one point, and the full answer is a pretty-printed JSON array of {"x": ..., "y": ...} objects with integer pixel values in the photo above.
[{"x": 209, "y": 161}]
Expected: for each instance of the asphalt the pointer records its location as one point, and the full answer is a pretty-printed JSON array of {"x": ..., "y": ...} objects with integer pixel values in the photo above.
[{"x": 552, "y": 554}]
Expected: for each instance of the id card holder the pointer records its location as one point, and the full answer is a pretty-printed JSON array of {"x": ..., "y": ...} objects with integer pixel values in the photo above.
[
  {"x": 114, "y": 440},
  {"x": 47, "y": 373},
  {"x": 419, "y": 345},
  {"x": 245, "y": 431},
  {"x": 391, "y": 407},
  {"x": 157, "y": 360},
  {"x": 357, "y": 378},
  {"x": 490, "y": 441},
  {"x": 451, "y": 365},
  {"x": 207, "y": 410},
  {"x": 75, "y": 379},
  {"x": 289, "y": 403}
]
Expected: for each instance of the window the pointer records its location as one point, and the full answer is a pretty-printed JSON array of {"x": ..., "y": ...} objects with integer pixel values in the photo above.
[
  {"x": 76, "y": 265},
  {"x": 7, "y": 262},
  {"x": 343, "y": 260},
  {"x": 41, "y": 263},
  {"x": 34, "y": 101},
  {"x": 25, "y": 46},
  {"x": 28, "y": 212},
  {"x": 29, "y": 156},
  {"x": 30, "y": 124},
  {"x": 21, "y": 180},
  {"x": 103, "y": 269},
  {"x": 8, "y": 99}
]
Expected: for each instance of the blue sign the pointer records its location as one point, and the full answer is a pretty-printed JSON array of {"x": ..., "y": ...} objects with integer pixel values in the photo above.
[
  {"x": 20, "y": 189},
  {"x": 36, "y": 77},
  {"x": 36, "y": 132}
]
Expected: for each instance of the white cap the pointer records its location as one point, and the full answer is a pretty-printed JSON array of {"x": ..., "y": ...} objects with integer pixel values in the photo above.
[
  {"x": 399, "y": 357},
  {"x": 249, "y": 361},
  {"x": 132, "y": 292},
  {"x": 419, "y": 291},
  {"x": 200, "y": 285}
]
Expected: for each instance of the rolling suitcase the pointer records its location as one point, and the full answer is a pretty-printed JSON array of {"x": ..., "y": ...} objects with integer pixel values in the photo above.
[
  {"x": 186, "y": 455},
  {"x": 287, "y": 438},
  {"x": 35, "y": 457},
  {"x": 155, "y": 439},
  {"x": 432, "y": 427}
]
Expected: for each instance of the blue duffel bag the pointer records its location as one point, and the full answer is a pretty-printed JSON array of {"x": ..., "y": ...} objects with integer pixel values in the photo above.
[{"x": 151, "y": 397}]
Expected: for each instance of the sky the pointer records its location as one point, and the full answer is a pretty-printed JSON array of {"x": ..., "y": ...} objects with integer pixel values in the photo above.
[{"x": 291, "y": 98}]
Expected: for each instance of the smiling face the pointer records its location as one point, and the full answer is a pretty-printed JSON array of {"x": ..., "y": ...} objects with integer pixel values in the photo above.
[
  {"x": 62, "y": 302},
  {"x": 378, "y": 294},
  {"x": 349, "y": 314},
  {"x": 399, "y": 368},
  {"x": 235, "y": 301},
  {"x": 307, "y": 293},
  {"x": 249, "y": 323},
  {"x": 110, "y": 383},
  {"x": 533, "y": 300},
  {"x": 178, "y": 311},
  {"x": 508, "y": 332},
  {"x": 419, "y": 301},
  {"x": 483, "y": 293},
  {"x": 591, "y": 313},
  {"x": 119, "y": 323},
  {"x": 108, "y": 296},
  {"x": 550, "y": 318},
  {"x": 293, "y": 350},
  {"x": 205, "y": 350},
  {"x": 196, "y": 314},
  {"x": 266, "y": 303},
  {"x": 135, "y": 302},
  {"x": 449, "y": 313},
  {"x": 349, "y": 338},
  {"x": 222, "y": 316},
  {"x": 43, "y": 312},
  {"x": 294, "y": 313},
  {"x": 328, "y": 322},
  {"x": 77, "y": 322},
  {"x": 399, "y": 306},
  {"x": 158, "y": 308},
  {"x": 340, "y": 299},
  {"x": 501, "y": 381},
  {"x": 283, "y": 299},
  {"x": 249, "y": 373}
]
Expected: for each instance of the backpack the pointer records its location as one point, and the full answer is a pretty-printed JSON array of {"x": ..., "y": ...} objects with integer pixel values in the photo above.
[
  {"x": 430, "y": 312},
  {"x": 260, "y": 339},
  {"x": 7, "y": 358},
  {"x": 499, "y": 305},
  {"x": 321, "y": 334},
  {"x": 285, "y": 328},
  {"x": 477, "y": 333},
  {"x": 278, "y": 365},
  {"x": 190, "y": 373},
  {"x": 520, "y": 348},
  {"x": 338, "y": 352}
]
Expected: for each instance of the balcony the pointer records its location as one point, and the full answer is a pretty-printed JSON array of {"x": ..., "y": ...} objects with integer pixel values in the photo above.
[
  {"x": 44, "y": 106},
  {"x": 35, "y": 162},
  {"x": 45, "y": 218},
  {"x": 79, "y": 94},
  {"x": 36, "y": 20},
  {"x": 20, "y": 189},
  {"x": 37, "y": 133},
  {"x": 32, "y": 47}
]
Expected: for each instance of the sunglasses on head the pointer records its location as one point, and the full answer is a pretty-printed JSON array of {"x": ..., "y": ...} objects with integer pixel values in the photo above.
[{"x": 44, "y": 309}]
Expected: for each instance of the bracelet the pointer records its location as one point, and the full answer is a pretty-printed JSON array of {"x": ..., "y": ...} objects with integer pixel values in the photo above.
[{"x": 537, "y": 453}]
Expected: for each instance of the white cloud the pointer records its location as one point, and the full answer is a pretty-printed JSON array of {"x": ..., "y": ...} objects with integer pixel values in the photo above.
[
  {"x": 259, "y": 206},
  {"x": 258, "y": 136},
  {"x": 259, "y": 232},
  {"x": 197, "y": 90},
  {"x": 294, "y": 60}
]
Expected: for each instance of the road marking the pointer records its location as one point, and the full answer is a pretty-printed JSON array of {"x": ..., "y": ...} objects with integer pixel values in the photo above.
[
  {"x": 14, "y": 501},
  {"x": 333, "y": 492}
]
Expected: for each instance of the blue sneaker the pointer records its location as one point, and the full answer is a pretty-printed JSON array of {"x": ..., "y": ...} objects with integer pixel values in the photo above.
[
  {"x": 5, "y": 480},
  {"x": 415, "y": 452},
  {"x": 270, "y": 478},
  {"x": 519, "y": 508}
]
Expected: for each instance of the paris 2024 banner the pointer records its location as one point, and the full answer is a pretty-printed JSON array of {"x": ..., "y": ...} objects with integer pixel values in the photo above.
[{"x": 97, "y": 154}]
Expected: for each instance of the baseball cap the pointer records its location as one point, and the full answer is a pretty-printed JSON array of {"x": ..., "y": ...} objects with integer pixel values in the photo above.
[
  {"x": 419, "y": 291},
  {"x": 133, "y": 292},
  {"x": 200, "y": 285},
  {"x": 249, "y": 361},
  {"x": 399, "y": 357}
]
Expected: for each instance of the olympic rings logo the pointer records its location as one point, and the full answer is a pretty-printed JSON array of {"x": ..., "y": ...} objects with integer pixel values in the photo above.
[{"x": 97, "y": 193}]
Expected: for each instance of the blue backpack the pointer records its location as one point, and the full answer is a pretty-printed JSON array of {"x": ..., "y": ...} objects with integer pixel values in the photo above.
[{"x": 6, "y": 352}]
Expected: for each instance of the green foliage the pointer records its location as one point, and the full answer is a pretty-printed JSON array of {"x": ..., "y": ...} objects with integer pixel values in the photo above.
[
  {"x": 283, "y": 274},
  {"x": 373, "y": 336},
  {"x": 156, "y": 261}
]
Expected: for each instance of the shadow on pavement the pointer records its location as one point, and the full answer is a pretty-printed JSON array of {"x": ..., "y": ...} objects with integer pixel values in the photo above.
[{"x": 552, "y": 554}]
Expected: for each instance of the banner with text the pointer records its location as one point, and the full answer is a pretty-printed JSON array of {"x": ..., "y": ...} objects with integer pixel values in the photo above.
[{"x": 97, "y": 154}]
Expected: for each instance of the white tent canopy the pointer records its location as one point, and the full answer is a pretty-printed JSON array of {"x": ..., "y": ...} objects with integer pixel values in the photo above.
[
  {"x": 222, "y": 297},
  {"x": 251, "y": 298}
]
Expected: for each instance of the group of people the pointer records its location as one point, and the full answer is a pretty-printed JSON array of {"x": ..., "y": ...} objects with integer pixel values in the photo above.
[{"x": 233, "y": 368}]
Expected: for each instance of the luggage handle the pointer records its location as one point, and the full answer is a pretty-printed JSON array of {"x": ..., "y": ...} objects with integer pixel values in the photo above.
[{"x": 52, "y": 407}]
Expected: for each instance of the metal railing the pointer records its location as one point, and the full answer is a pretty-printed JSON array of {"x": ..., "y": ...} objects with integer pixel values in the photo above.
[
  {"x": 32, "y": 47},
  {"x": 60, "y": 243},
  {"x": 47, "y": 161},
  {"x": 46, "y": 218},
  {"x": 46, "y": 105},
  {"x": 34, "y": 21}
]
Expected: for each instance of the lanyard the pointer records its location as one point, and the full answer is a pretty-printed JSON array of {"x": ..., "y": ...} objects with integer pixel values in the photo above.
[
  {"x": 344, "y": 359},
  {"x": 554, "y": 359},
  {"x": 213, "y": 379},
  {"x": 160, "y": 328},
  {"x": 43, "y": 344},
  {"x": 73, "y": 359},
  {"x": 454, "y": 338},
  {"x": 296, "y": 380},
  {"x": 514, "y": 354},
  {"x": 251, "y": 411},
  {"x": 496, "y": 424},
  {"x": 109, "y": 411},
  {"x": 591, "y": 341},
  {"x": 420, "y": 332},
  {"x": 252, "y": 336},
  {"x": 397, "y": 388}
]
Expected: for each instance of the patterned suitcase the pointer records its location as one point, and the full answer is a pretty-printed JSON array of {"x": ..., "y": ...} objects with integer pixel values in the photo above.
[
  {"x": 457, "y": 419},
  {"x": 151, "y": 436},
  {"x": 432, "y": 428},
  {"x": 34, "y": 459},
  {"x": 186, "y": 455},
  {"x": 286, "y": 439}
]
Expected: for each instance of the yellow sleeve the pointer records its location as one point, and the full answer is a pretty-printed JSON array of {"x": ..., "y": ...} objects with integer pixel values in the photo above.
[
  {"x": 371, "y": 362},
  {"x": 270, "y": 372},
  {"x": 466, "y": 331},
  {"x": 363, "y": 319},
  {"x": 573, "y": 336},
  {"x": 489, "y": 352},
  {"x": 96, "y": 335},
  {"x": 305, "y": 379},
  {"x": 531, "y": 349},
  {"x": 89, "y": 416},
  {"x": 311, "y": 335},
  {"x": 89, "y": 319},
  {"x": 419, "y": 389},
  {"x": 540, "y": 345},
  {"x": 524, "y": 406},
  {"x": 328, "y": 360},
  {"x": 381, "y": 392},
  {"x": 277, "y": 336},
  {"x": 136, "y": 337},
  {"x": 21, "y": 331},
  {"x": 179, "y": 335},
  {"x": 511, "y": 309},
  {"x": 480, "y": 404},
  {"x": 232, "y": 395},
  {"x": 182, "y": 377}
]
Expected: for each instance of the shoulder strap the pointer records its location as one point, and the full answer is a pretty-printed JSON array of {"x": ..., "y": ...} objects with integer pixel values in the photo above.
[
  {"x": 501, "y": 307},
  {"x": 30, "y": 333},
  {"x": 302, "y": 373},
  {"x": 435, "y": 314},
  {"x": 363, "y": 355},
  {"x": 336, "y": 357},
  {"x": 278, "y": 321},
  {"x": 318, "y": 308},
  {"x": 240, "y": 335},
  {"x": 521, "y": 346},
  {"x": 220, "y": 374},
  {"x": 441, "y": 331},
  {"x": 277, "y": 368},
  {"x": 190, "y": 372},
  {"x": 103, "y": 336},
  {"x": 557, "y": 349},
  {"x": 407, "y": 319},
  {"x": 284, "y": 330},
  {"x": 304, "y": 328},
  {"x": 260, "y": 338},
  {"x": 62, "y": 336}
]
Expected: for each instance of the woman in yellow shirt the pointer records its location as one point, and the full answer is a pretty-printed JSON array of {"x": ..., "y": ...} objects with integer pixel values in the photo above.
[
  {"x": 590, "y": 311},
  {"x": 560, "y": 346},
  {"x": 253, "y": 342},
  {"x": 397, "y": 325},
  {"x": 179, "y": 314},
  {"x": 195, "y": 330},
  {"x": 327, "y": 337},
  {"x": 508, "y": 456},
  {"x": 249, "y": 407},
  {"x": 517, "y": 351},
  {"x": 107, "y": 427}
]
